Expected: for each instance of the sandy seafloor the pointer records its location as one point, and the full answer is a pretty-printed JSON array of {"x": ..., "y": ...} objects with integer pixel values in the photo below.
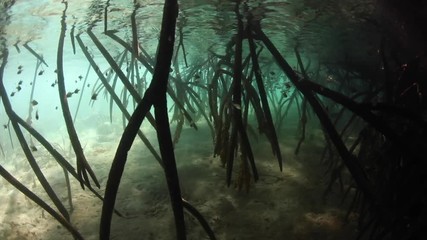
[{"x": 281, "y": 205}]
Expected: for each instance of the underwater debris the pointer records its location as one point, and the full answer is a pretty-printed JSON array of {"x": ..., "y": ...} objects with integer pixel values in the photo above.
[
  {"x": 76, "y": 91},
  {"x": 37, "y": 115},
  {"x": 41, "y": 72},
  {"x": 33, "y": 148},
  {"x": 34, "y": 102},
  {"x": 69, "y": 94},
  {"x": 94, "y": 96}
]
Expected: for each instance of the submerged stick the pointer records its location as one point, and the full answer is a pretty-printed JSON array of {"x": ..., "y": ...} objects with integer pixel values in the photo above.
[
  {"x": 160, "y": 86},
  {"x": 35, "y": 54},
  {"x": 271, "y": 131},
  {"x": 27, "y": 151},
  {"x": 236, "y": 89},
  {"x": 115, "y": 67},
  {"x": 155, "y": 95},
  {"x": 2, "y": 150},
  {"x": 27, "y": 192},
  {"x": 349, "y": 160},
  {"x": 81, "y": 94},
  {"x": 135, "y": 44},
  {"x": 83, "y": 167},
  {"x": 73, "y": 44},
  {"x": 304, "y": 104},
  {"x": 116, "y": 99}
]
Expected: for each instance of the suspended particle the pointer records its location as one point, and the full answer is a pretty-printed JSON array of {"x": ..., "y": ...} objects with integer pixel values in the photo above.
[
  {"x": 94, "y": 96},
  {"x": 69, "y": 94},
  {"x": 41, "y": 72},
  {"x": 33, "y": 148},
  {"x": 37, "y": 115},
  {"x": 34, "y": 102}
]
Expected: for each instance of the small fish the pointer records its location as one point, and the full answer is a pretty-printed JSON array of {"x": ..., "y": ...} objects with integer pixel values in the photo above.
[
  {"x": 56, "y": 71},
  {"x": 41, "y": 72},
  {"x": 18, "y": 88},
  {"x": 288, "y": 85},
  {"x": 34, "y": 102},
  {"x": 272, "y": 73},
  {"x": 37, "y": 115},
  {"x": 237, "y": 106},
  {"x": 94, "y": 96},
  {"x": 4, "y": 126},
  {"x": 33, "y": 148},
  {"x": 76, "y": 91},
  {"x": 53, "y": 84},
  {"x": 56, "y": 108},
  {"x": 20, "y": 82},
  {"x": 88, "y": 85},
  {"x": 80, "y": 77},
  {"x": 19, "y": 67},
  {"x": 285, "y": 94},
  {"x": 19, "y": 71},
  {"x": 69, "y": 94},
  {"x": 12, "y": 94}
]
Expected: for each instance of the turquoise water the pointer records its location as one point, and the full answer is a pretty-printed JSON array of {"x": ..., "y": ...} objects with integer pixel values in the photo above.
[{"x": 339, "y": 42}]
